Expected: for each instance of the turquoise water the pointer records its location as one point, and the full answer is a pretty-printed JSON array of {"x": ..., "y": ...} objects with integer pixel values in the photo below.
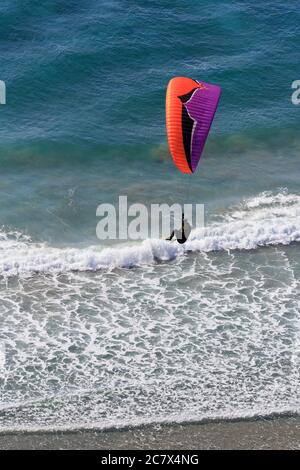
[{"x": 83, "y": 335}]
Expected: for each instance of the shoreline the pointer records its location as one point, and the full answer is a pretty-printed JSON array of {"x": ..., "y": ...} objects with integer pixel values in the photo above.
[{"x": 271, "y": 433}]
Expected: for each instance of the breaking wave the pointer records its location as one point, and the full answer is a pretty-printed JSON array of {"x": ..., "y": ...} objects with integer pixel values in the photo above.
[{"x": 267, "y": 219}]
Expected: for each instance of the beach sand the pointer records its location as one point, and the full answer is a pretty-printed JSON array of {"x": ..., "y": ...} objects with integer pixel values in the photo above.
[{"x": 277, "y": 433}]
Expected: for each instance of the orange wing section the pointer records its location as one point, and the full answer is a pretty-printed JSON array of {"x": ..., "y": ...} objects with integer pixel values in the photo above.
[{"x": 178, "y": 86}]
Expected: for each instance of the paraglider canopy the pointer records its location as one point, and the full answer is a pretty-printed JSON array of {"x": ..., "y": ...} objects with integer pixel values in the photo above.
[{"x": 190, "y": 109}]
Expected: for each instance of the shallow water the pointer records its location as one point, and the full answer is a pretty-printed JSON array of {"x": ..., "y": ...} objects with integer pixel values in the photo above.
[
  {"x": 207, "y": 330},
  {"x": 96, "y": 334}
]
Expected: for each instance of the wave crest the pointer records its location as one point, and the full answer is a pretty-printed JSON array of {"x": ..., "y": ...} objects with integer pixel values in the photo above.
[{"x": 264, "y": 220}]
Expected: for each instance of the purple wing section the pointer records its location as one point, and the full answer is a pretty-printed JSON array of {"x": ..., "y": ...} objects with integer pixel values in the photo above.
[{"x": 201, "y": 108}]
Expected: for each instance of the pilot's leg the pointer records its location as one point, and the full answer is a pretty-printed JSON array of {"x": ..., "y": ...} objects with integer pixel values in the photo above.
[
  {"x": 181, "y": 238},
  {"x": 171, "y": 236}
]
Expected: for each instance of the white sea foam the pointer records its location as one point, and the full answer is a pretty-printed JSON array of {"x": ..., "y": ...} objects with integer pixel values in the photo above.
[
  {"x": 211, "y": 335},
  {"x": 261, "y": 221}
]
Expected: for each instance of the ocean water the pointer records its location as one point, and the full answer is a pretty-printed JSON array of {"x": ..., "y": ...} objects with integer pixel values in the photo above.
[{"x": 102, "y": 335}]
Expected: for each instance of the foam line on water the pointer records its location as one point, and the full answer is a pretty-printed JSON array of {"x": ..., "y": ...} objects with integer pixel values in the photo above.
[{"x": 142, "y": 422}]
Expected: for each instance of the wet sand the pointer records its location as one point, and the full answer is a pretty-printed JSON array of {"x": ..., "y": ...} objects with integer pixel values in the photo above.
[{"x": 277, "y": 433}]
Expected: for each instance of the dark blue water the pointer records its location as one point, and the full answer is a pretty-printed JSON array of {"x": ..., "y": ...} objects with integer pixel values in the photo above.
[
  {"x": 86, "y": 89},
  {"x": 83, "y": 336},
  {"x": 82, "y": 78}
]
